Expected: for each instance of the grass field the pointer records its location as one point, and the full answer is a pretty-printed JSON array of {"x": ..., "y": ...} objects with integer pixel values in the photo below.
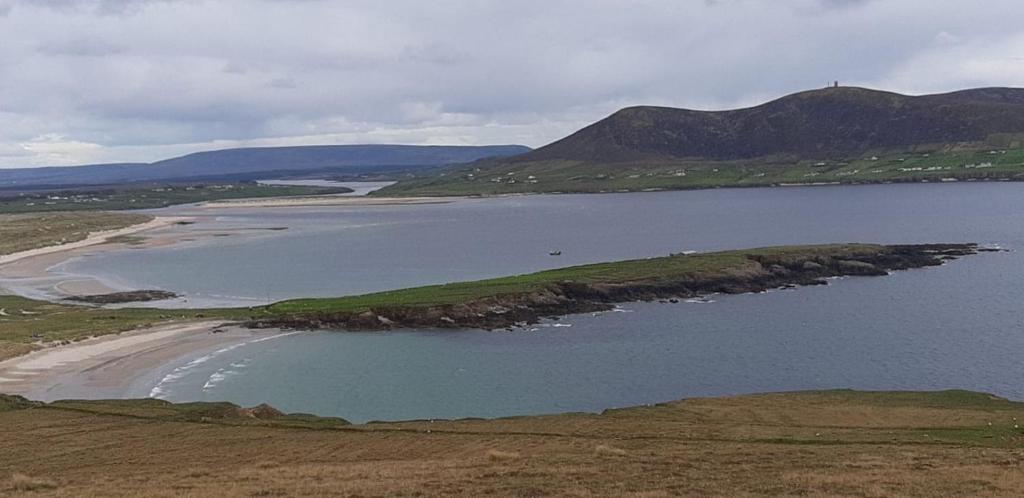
[
  {"x": 21, "y": 232},
  {"x": 829, "y": 443},
  {"x": 133, "y": 197},
  {"x": 960, "y": 164}
]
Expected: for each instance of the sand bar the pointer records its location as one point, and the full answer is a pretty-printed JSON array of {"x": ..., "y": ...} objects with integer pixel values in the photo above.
[
  {"x": 94, "y": 238},
  {"x": 327, "y": 200}
]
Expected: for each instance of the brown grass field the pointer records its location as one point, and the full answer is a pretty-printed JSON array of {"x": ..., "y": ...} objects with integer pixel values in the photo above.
[{"x": 833, "y": 443}]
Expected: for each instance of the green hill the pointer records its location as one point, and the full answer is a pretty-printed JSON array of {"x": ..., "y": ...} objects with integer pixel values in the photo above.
[{"x": 833, "y": 135}]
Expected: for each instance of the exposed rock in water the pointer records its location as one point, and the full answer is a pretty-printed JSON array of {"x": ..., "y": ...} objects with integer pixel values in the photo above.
[
  {"x": 125, "y": 297},
  {"x": 761, "y": 272}
]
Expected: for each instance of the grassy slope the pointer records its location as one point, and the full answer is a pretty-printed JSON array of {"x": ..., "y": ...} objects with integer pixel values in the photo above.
[
  {"x": 580, "y": 176},
  {"x": 816, "y": 443},
  {"x": 653, "y": 269},
  {"x": 152, "y": 197}
]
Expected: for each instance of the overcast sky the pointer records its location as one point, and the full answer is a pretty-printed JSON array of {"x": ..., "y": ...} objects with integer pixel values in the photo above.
[{"x": 116, "y": 80}]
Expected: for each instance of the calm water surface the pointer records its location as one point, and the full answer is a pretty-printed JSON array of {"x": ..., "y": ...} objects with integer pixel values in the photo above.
[{"x": 959, "y": 325}]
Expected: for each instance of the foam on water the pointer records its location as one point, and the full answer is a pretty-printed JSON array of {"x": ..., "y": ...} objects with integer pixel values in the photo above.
[{"x": 160, "y": 390}]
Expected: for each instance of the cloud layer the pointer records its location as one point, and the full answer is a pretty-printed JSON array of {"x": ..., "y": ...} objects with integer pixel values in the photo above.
[{"x": 119, "y": 80}]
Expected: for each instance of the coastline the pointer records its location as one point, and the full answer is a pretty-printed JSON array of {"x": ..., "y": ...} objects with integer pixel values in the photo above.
[
  {"x": 94, "y": 238},
  {"x": 28, "y": 273},
  {"x": 327, "y": 200},
  {"x": 38, "y": 274},
  {"x": 515, "y": 301},
  {"x": 115, "y": 366}
]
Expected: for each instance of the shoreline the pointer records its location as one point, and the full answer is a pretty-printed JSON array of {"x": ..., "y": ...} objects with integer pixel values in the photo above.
[
  {"x": 115, "y": 366},
  {"x": 327, "y": 200},
  {"x": 94, "y": 238},
  {"x": 38, "y": 274},
  {"x": 509, "y": 302},
  {"x": 30, "y": 273},
  {"x": 646, "y": 190}
]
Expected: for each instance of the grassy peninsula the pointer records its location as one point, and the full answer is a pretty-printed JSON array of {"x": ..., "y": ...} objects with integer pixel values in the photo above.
[
  {"x": 27, "y": 324},
  {"x": 523, "y": 299},
  {"x": 825, "y": 443}
]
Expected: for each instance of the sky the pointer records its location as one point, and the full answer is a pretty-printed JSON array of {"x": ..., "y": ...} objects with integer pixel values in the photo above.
[{"x": 94, "y": 81}]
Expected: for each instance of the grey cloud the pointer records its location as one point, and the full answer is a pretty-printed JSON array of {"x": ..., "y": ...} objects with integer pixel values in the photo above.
[
  {"x": 158, "y": 76},
  {"x": 100, "y": 7},
  {"x": 285, "y": 83},
  {"x": 82, "y": 48}
]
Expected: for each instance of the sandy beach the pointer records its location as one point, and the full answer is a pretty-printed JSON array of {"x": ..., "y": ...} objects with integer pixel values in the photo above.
[
  {"x": 112, "y": 366},
  {"x": 117, "y": 365},
  {"x": 36, "y": 273},
  {"x": 28, "y": 272},
  {"x": 327, "y": 200},
  {"x": 94, "y": 238}
]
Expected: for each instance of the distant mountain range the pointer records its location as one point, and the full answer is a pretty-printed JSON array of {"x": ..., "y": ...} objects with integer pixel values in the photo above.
[
  {"x": 662, "y": 147},
  {"x": 259, "y": 163}
]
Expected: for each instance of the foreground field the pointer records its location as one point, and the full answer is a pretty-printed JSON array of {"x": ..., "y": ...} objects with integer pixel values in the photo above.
[{"x": 834, "y": 443}]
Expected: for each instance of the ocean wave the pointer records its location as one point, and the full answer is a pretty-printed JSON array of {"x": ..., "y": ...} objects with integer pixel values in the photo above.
[
  {"x": 160, "y": 390},
  {"x": 699, "y": 300}
]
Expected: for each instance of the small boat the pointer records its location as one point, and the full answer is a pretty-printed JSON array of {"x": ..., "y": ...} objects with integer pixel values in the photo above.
[{"x": 555, "y": 253}]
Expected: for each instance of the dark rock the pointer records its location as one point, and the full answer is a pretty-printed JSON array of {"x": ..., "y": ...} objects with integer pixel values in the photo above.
[
  {"x": 811, "y": 266},
  {"x": 125, "y": 297},
  {"x": 849, "y": 267}
]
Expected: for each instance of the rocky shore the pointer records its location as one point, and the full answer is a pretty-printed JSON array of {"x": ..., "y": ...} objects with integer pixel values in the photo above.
[
  {"x": 138, "y": 296},
  {"x": 758, "y": 272}
]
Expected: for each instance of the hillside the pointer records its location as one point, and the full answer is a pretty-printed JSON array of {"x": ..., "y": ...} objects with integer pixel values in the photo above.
[
  {"x": 824, "y": 443},
  {"x": 838, "y": 134},
  {"x": 834, "y": 123},
  {"x": 258, "y": 163}
]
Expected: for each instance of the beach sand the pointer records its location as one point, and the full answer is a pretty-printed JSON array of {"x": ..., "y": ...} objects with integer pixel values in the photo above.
[
  {"x": 114, "y": 366},
  {"x": 37, "y": 274},
  {"x": 327, "y": 200},
  {"x": 28, "y": 273},
  {"x": 93, "y": 239}
]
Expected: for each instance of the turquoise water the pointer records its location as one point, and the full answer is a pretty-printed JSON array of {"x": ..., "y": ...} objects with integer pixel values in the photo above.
[{"x": 959, "y": 325}]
